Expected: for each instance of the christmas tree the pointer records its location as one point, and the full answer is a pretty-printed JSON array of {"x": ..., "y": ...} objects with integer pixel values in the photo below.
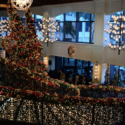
[
  {"x": 107, "y": 75},
  {"x": 117, "y": 80},
  {"x": 24, "y": 69}
]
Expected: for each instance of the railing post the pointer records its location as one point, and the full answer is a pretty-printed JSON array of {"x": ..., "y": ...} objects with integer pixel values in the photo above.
[
  {"x": 42, "y": 111},
  {"x": 123, "y": 115},
  {"x": 93, "y": 113}
]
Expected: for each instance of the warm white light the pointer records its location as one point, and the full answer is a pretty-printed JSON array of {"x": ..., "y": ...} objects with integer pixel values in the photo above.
[{"x": 21, "y": 4}]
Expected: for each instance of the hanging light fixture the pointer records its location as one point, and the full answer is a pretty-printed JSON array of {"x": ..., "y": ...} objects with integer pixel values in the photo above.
[
  {"x": 47, "y": 30},
  {"x": 117, "y": 32},
  {"x": 21, "y": 4}
]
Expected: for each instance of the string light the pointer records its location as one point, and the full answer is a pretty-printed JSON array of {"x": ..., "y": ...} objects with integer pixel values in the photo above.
[{"x": 96, "y": 70}]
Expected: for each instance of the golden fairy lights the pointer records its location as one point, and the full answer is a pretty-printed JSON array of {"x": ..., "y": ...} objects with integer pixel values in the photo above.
[
  {"x": 21, "y": 4},
  {"x": 49, "y": 28}
]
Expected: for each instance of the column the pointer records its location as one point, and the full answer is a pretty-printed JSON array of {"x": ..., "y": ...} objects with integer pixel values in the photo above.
[{"x": 99, "y": 72}]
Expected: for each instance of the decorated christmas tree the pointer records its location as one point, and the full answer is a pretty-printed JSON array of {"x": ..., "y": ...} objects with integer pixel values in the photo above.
[
  {"x": 107, "y": 75},
  {"x": 117, "y": 80},
  {"x": 24, "y": 69}
]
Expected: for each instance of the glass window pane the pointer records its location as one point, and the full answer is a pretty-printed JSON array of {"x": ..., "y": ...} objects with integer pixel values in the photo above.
[
  {"x": 38, "y": 18},
  {"x": 83, "y": 31},
  {"x": 92, "y": 32},
  {"x": 70, "y": 31},
  {"x": 69, "y": 62},
  {"x": 91, "y": 64},
  {"x": 79, "y": 64},
  {"x": 83, "y": 16},
  {"x": 71, "y": 16},
  {"x": 85, "y": 63},
  {"x": 60, "y": 32},
  {"x": 38, "y": 31},
  {"x": 81, "y": 71},
  {"x": 60, "y": 18},
  {"x": 92, "y": 17}
]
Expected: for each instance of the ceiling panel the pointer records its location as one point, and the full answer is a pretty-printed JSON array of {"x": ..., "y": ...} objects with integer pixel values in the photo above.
[{"x": 46, "y": 2}]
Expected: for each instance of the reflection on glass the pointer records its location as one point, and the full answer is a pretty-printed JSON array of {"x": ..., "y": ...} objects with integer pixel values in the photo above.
[
  {"x": 83, "y": 33},
  {"x": 92, "y": 32},
  {"x": 83, "y": 16},
  {"x": 79, "y": 63},
  {"x": 69, "y": 62},
  {"x": 91, "y": 63},
  {"x": 92, "y": 17},
  {"x": 70, "y": 31},
  {"x": 38, "y": 18},
  {"x": 60, "y": 18},
  {"x": 81, "y": 71},
  {"x": 85, "y": 63},
  {"x": 71, "y": 16}
]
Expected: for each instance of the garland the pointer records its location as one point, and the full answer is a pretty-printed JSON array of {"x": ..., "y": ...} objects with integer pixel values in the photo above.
[
  {"x": 102, "y": 88},
  {"x": 24, "y": 68},
  {"x": 70, "y": 53},
  {"x": 42, "y": 80},
  {"x": 60, "y": 99}
]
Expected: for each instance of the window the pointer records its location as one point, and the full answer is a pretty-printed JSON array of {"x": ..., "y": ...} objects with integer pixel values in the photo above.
[
  {"x": 73, "y": 66},
  {"x": 76, "y": 27}
]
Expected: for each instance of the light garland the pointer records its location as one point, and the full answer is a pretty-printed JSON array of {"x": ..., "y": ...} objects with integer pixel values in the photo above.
[
  {"x": 96, "y": 70},
  {"x": 49, "y": 28},
  {"x": 71, "y": 50},
  {"x": 116, "y": 32},
  {"x": 21, "y": 4}
]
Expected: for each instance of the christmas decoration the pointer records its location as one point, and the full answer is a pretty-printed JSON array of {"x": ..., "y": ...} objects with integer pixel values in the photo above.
[
  {"x": 24, "y": 69},
  {"x": 107, "y": 75},
  {"x": 117, "y": 80},
  {"x": 71, "y": 50},
  {"x": 27, "y": 75},
  {"x": 49, "y": 28},
  {"x": 22, "y": 4}
]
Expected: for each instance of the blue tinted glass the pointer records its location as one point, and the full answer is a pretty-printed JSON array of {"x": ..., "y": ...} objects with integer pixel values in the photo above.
[
  {"x": 38, "y": 18},
  {"x": 70, "y": 31},
  {"x": 60, "y": 17},
  {"x": 60, "y": 32},
  {"x": 83, "y": 31},
  {"x": 82, "y": 16},
  {"x": 92, "y": 17},
  {"x": 71, "y": 16}
]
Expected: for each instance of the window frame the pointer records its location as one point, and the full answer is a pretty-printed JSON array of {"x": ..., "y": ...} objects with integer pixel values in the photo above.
[{"x": 77, "y": 21}]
